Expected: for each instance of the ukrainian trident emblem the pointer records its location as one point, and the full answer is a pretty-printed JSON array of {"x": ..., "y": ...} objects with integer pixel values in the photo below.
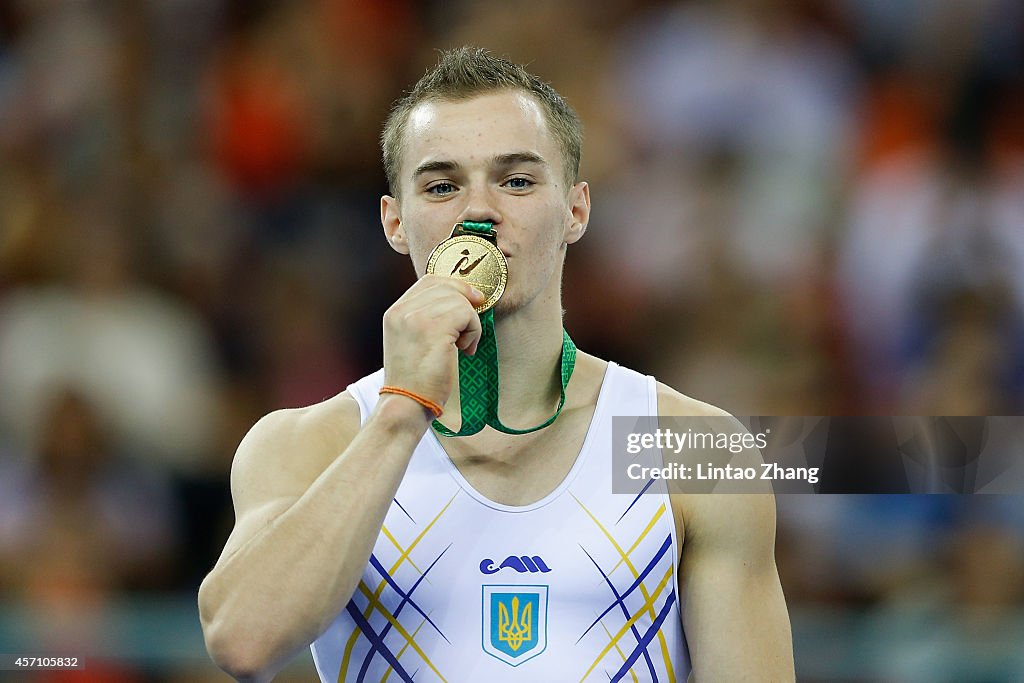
[{"x": 515, "y": 622}]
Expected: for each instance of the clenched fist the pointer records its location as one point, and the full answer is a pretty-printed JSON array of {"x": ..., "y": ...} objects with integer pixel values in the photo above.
[{"x": 422, "y": 331}]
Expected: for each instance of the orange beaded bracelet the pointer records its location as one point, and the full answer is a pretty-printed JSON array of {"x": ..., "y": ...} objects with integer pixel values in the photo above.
[{"x": 425, "y": 402}]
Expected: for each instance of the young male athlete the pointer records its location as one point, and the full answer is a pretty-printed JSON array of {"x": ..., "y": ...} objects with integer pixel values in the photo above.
[{"x": 402, "y": 553}]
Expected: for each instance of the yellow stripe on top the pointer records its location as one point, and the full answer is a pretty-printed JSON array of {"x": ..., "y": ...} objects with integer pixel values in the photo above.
[
  {"x": 650, "y": 525},
  {"x": 649, "y": 604},
  {"x": 374, "y": 602},
  {"x": 398, "y": 546},
  {"x": 347, "y": 657},
  {"x": 398, "y": 655},
  {"x": 619, "y": 650}
]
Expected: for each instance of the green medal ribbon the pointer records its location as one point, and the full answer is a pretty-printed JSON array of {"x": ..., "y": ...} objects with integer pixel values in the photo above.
[{"x": 478, "y": 374}]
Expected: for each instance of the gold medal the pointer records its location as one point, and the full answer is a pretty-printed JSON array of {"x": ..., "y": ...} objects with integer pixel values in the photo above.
[{"x": 474, "y": 259}]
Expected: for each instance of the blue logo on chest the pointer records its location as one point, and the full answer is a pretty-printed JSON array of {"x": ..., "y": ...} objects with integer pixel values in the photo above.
[
  {"x": 515, "y": 622},
  {"x": 521, "y": 563}
]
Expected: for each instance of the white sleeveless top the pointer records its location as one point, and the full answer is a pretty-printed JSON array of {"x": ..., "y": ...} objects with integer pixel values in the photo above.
[{"x": 578, "y": 586}]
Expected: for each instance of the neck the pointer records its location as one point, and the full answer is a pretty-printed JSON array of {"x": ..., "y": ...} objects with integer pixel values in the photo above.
[{"x": 529, "y": 363}]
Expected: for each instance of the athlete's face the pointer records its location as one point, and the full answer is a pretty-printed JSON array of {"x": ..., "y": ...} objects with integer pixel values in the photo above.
[{"x": 489, "y": 158}]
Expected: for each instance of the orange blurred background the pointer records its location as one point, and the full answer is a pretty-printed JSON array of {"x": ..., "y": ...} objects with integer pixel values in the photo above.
[{"x": 801, "y": 207}]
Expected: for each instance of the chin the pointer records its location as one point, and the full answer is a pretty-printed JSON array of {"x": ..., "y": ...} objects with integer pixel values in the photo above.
[
  {"x": 507, "y": 305},
  {"x": 511, "y": 301},
  {"x": 516, "y": 301}
]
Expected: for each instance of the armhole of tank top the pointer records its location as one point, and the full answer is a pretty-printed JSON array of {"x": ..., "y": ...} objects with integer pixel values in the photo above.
[
  {"x": 316, "y": 661},
  {"x": 677, "y": 543},
  {"x": 360, "y": 390}
]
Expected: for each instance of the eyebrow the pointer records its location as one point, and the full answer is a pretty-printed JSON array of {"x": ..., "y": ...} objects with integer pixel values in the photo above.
[
  {"x": 514, "y": 158},
  {"x": 500, "y": 160},
  {"x": 433, "y": 166}
]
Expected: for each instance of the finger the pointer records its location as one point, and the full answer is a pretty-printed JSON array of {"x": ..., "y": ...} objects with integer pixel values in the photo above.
[
  {"x": 468, "y": 344},
  {"x": 452, "y": 317},
  {"x": 472, "y": 334},
  {"x": 451, "y": 311},
  {"x": 435, "y": 282},
  {"x": 427, "y": 286},
  {"x": 464, "y": 342}
]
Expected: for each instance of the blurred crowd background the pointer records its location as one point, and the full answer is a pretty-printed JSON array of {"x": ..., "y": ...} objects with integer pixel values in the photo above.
[{"x": 801, "y": 207}]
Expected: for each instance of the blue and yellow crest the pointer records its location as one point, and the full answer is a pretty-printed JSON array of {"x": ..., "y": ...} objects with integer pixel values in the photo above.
[{"x": 515, "y": 622}]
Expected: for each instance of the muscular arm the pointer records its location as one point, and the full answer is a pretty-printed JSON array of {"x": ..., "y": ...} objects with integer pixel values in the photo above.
[
  {"x": 734, "y": 612},
  {"x": 306, "y": 521},
  {"x": 311, "y": 489}
]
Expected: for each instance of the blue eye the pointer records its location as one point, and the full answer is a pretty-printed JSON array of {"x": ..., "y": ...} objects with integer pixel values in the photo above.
[
  {"x": 441, "y": 189},
  {"x": 518, "y": 183}
]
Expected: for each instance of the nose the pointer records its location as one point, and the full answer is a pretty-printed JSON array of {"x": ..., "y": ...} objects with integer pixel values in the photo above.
[{"x": 480, "y": 207}]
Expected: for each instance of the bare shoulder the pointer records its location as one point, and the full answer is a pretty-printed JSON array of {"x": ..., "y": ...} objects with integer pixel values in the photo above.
[
  {"x": 672, "y": 402},
  {"x": 700, "y": 416},
  {"x": 286, "y": 450},
  {"x": 724, "y": 515}
]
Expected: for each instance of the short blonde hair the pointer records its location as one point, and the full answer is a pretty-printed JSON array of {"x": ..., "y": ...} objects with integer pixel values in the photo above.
[{"x": 466, "y": 72}]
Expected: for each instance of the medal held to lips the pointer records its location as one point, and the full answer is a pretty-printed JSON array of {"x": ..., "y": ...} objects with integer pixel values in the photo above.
[{"x": 471, "y": 254}]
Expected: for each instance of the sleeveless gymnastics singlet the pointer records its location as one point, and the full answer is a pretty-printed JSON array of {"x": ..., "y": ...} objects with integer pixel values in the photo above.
[{"x": 578, "y": 586}]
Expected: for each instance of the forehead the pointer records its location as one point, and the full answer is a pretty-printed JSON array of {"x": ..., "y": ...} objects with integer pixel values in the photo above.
[{"x": 477, "y": 129}]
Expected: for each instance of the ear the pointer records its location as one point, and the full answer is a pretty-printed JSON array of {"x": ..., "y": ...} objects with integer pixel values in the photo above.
[
  {"x": 579, "y": 212},
  {"x": 391, "y": 221}
]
